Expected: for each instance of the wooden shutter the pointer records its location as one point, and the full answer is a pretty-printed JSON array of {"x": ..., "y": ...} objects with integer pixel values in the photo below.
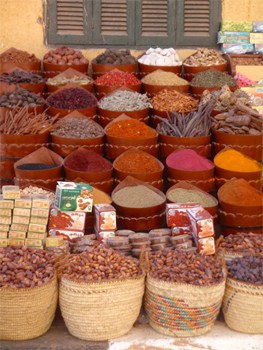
[
  {"x": 113, "y": 22},
  {"x": 198, "y": 22},
  {"x": 69, "y": 22},
  {"x": 155, "y": 22}
]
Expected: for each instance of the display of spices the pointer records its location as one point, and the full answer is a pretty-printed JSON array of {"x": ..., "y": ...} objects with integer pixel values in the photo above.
[
  {"x": 64, "y": 55},
  {"x": 30, "y": 191},
  {"x": 239, "y": 120},
  {"x": 135, "y": 161},
  {"x": 210, "y": 78},
  {"x": 225, "y": 99},
  {"x": 17, "y": 56},
  {"x": 20, "y": 77},
  {"x": 205, "y": 57},
  {"x": 80, "y": 128},
  {"x": 187, "y": 159},
  {"x": 100, "y": 197},
  {"x": 242, "y": 242},
  {"x": 23, "y": 267},
  {"x": 170, "y": 101},
  {"x": 72, "y": 99},
  {"x": 87, "y": 160},
  {"x": 124, "y": 100},
  {"x": 100, "y": 264},
  {"x": 75, "y": 79},
  {"x": 240, "y": 193},
  {"x": 160, "y": 77},
  {"x": 246, "y": 269},
  {"x": 20, "y": 98},
  {"x": 130, "y": 128},
  {"x": 197, "y": 269},
  {"x": 197, "y": 123},
  {"x": 117, "y": 78},
  {"x": 36, "y": 166},
  {"x": 160, "y": 57},
  {"x": 233, "y": 160},
  {"x": 183, "y": 195},
  {"x": 115, "y": 57},
  {"x": 22, "y": 122},
  {"x": 138, "y": 196}
]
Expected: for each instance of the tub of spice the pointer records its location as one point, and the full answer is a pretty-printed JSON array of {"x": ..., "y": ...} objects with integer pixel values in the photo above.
[
  {"x": 62, "y": 58},
  {"x": 139, "y": 206},
  {"x": 159, "y": 80},
  {"x": 72, "y": 98},
  {"x": 203, "y": 59},
  {"x": 74, "y": 131},
  {"x": 123, "y": 101},
  {"x": 140, "y": 165},
  {"x": 13, "y": 57},
  {"x": 230, "y": 163},
  {"x": 189, "y": 166},
  {"x": 41, "y": 167},
  {"x": 125, "y": 132},
  {"x": 90, "y": 167},
  {"x": 69, "y": 76},
  {"x": 114, "y": 59},
  {"x": 113, "y": 80}
]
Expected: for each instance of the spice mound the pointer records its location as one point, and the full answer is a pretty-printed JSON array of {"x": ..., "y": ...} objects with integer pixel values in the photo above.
[
  {"x": 183, "y": 195},
  {"x": 122, "y": 100},
  {"x": 117, "y": 78},
  {"x": 187, "y": 159},
  {"x": 233, "y": 160},
  {"x": 239, "y": 192},
  {"x": 138, "y": 196},
  {"x": 247, "y": 269},
  {"x": 185, "y": 267},
  {"x": 204, "y": 57},
  {"x": 81, "y": 128},
  {"x": 20, "y": 98},
  {"x": 17, "y": 56},
  {"x": 87, "y": 160},
  {"x": 72, "y": 98},
  {"x": 100, "y": 264},
  {"x": 210, "y": 78},
  {"x": 170, "y": 101},
  {"x": 115, "y": 57},
  {"x": 20, "y": 77},
  {"x": 242, "y": 242},
  {"x": 64, "y": 55},
  {"x": 36, "y": 166},
  {"x": 160, "y": 77},
  {"x": 22, "y": 267},
  {"x": 130, "y": 128},
  {"x": 137, "y": 162},
  {"x": 75, "y": 79},
  {"x": 160, "y": 57}
]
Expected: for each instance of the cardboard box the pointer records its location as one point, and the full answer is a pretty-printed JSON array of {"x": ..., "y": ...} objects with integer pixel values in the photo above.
[
  {"x": 56, "y": 241},
  {"x": 6, "y": 204},
  {"x": 37, "y": 228},
  {"x": 4, "y": 227},
  {"x": 66, "y": 234},
  {"x": 105, "y": 217},
  {"x": 258, "y": 26},
  {"x": 232, "y": 37},
  {"x": 182, "y": 230},
  {"x": 4, "y": 242},
  {"x": 17, "y": 234},
  {"x": 176, "y": 214},
  {"x": 6, "y": 212},
  {"x": 258, "y": 48},
  {"x": 10, "y": 192},
  {"x": 256, "y": 38},
  {"x": 20, "y": 220},
  {"x": 33, "y": 242},
  {"x": 5, "y": 220},
  {"x": 19, "y": 227},
  {"x": 22, "y": 212},
  {"x": 3, "y": 234},
  {"x": 206, "y": 246},
  {"x": 38, "y": 220},
  {"x": 103, "y": 235},
  {"x": 201, "y": 222},
  {"x": 71, "y": 196},
  {"x": 36, "y": 235},
  {"x": 41, "y": 202},
  {"x": 237, "y": 49},
  {"x": 16, "y": 241},
  {"x": 40, "y": 212},
  {"x": 70, "y": 220},
  {"x": 23, "y": 203}
]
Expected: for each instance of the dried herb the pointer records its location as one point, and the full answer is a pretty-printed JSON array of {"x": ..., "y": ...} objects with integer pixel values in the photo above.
[
  {"x": 20, "y": 98},
  {"x": 20, "y": 77}
]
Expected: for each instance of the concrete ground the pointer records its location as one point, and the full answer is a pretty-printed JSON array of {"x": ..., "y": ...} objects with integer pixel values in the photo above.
[{"x": 141, "y": 337}]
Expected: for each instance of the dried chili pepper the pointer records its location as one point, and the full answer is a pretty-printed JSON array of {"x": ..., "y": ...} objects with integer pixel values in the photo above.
[{"x": 117, "y": 78}]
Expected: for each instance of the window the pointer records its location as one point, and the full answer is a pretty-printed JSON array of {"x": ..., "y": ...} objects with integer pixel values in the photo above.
[{"x": 133, "y": 23}]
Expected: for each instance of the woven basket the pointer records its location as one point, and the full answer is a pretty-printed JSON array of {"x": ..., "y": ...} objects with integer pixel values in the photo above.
[
  {"x": 102, "y": 310},
  {"x": 27, "y": 313},
  {"x": 243, "y": 307},
  {"x": 182, "y": 310}
]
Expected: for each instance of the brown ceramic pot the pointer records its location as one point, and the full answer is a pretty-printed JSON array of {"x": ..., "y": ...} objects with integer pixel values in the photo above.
[
  {"x": 100, "y": 69},
  {"x": 152, "y": 90},
  {"x": 50, "y": 69},
  {"x": 106, "y": 116},
  {"x": 190, "y": 71},
  {"x": 145, "y": 69}
]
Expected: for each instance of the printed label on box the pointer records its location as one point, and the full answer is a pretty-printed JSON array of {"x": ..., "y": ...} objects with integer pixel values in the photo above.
[
  {"x": 19, "y": 227},
  {"x": 5, "y": 220},
  {"x": 17, "y": 234},
  {"x": 182, "y": 230},
  {"x": 206, "y": 246},
  {"x": 4, "y": 227},
  {"x": 202, "y": 223},
  {"x": 33, "y": 242},
  {"x": 22, "y": 211},
  {"x": 41, "y": 202},
  {"x": 23, "y": 203},
  {"x": 105, "y": 215},
  {"x": 16, "y": 241},
  {"x": 20, "y": 220},
  {"x": 66, "y": 234},
  {"x": 103, "y": 235},
  {"x": 6, "y": 212},
  {"x": 176, "y": 214},
  {"x": 40, "y": 212},
  {"x": 10, "y": 192},
  {"x": 37, "y": 228},
  {"x": 70, "y": 220},
  {"x": 3, "y": 234},
  {"x": 36, "y": 235},
  {"x": 4, "y": 242},
  {"x": 38, "y": 220},
  {"x": 6, "y": 204}
]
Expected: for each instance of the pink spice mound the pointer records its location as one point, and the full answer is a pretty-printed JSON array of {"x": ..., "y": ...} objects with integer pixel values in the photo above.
[{"x": 187, "y": 159}]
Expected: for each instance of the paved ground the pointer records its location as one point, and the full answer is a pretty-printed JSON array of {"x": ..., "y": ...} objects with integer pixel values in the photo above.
[{"x": 141, "y": 337}]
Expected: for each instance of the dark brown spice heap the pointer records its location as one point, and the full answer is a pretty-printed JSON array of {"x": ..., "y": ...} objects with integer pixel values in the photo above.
[
  {"x": 20, "y": 98},
  {"x": 20, "y": 77}
]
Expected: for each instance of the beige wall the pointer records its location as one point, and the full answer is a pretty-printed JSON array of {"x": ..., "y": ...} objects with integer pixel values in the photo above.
[{"x": 21, "y": 23}]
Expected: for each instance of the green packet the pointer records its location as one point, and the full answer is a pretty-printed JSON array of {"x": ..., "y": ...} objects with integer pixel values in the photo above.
[{"x": 236, "y": 26}]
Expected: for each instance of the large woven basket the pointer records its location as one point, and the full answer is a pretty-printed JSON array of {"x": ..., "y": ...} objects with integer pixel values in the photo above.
[
  {"x": 243, "y": 306},
  {"x": 102, "y": 310},
  {"x": 27, "y": 313},
  {"x": 182, "y": 310}
]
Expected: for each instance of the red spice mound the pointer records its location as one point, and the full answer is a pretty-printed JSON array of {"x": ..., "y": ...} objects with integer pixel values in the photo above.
[
  {"x": 131, "y": 128},
  {"x": 137, "y": 162},
  {"x": 87, "y": 160},
  {"x": 117, "y": 78},
  {"x": 187, "y": 159},
  {"x": 72, "y": 98}
]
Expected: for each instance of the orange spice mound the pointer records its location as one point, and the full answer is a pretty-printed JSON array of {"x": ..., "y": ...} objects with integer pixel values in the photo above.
[
  {"x": 135, "y": 163},
  {"x": 130, "y": 128}
]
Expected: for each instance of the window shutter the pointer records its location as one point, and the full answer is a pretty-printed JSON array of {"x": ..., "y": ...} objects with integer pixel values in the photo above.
[
  {"x": 156, "y": 22},
  {"x": 198, "y": 22},
  {"x": 69, "y": 22},
  {"x": 114, "y": 22}
]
